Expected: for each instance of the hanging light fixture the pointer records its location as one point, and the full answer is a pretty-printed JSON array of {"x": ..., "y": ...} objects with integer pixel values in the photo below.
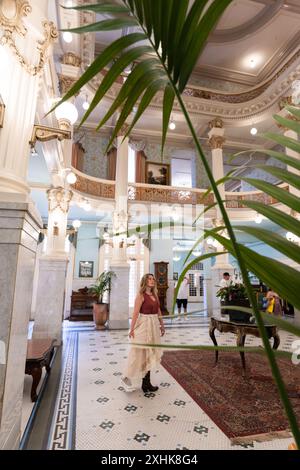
[
  {"x": 172, "y": 125},
  {"x": 253, "y": 131},
  {"x": 86, "y": 104}
]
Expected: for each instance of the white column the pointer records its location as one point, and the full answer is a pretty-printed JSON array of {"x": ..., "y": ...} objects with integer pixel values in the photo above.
[
  {"x": 19, "y": 81},
  {"x": 53, "y": 269},
  {"x": 216, "y": 142},
  {"x": 119, "y": 295},
  {"x": 23, "y": 52}
]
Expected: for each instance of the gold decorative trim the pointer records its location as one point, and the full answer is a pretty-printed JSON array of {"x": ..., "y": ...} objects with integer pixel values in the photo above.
[
  {"x": 216, "y": 142},
  {"x": 216, "y": 122},
  {"x": 123, "y": 130},
  {"x": 65, "y": 83},
  {"x": 11, "y": 20},
  {"x": 44, "y": 134},
  {"x": 69, "y": 58},
  {"x": 2, "y": 110},
  {"x": 59, "y": 198},
  {"x": 11, "y": 17}
]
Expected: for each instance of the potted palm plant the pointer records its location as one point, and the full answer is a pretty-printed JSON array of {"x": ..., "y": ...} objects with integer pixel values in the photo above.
[
  {"x": 101, "y": 309},
  {"x": 235, "y": 295}
]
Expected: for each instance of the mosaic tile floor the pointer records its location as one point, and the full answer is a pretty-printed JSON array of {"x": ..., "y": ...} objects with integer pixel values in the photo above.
[{"x": 93, "y": 411}]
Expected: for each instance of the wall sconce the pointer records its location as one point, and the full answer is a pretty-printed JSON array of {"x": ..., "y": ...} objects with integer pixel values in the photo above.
[{"x": 2, "y": 109}]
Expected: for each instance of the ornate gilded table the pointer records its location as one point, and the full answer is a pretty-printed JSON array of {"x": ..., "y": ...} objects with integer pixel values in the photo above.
[{"x": 241, "y": 330}]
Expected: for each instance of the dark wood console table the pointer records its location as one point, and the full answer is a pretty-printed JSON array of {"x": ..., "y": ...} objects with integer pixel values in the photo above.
[
  {"x": 241, "y": 330},
  {"x": 39, "y": 355}
]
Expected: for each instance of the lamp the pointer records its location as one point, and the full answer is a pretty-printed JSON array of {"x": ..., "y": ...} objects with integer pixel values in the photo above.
[
  {"x": 71, "y": 178},
  {"x": 2, "y": 109},
  {"x": 76, "y": 224},
  {"x": 66, "y": 114}
]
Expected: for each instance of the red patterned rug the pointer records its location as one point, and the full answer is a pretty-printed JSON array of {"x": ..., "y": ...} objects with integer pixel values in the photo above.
[{"x": 244, "y": 408}]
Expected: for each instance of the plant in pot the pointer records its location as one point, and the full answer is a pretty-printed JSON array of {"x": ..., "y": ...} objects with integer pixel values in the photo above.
[
  {"x": 235, "y": 295},
  {"x": 101, "y": 309}
]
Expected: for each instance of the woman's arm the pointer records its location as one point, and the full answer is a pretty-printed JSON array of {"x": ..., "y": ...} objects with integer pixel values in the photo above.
[
  {"x": 162, "y": 326},
  {"x": 137, "y": 306}
]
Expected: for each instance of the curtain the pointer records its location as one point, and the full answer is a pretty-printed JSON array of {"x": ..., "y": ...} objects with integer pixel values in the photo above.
[
  {"x": 77, "y": 156},
  {"x": 140, "y": 167},
  {"x": 111, "y": 163}
]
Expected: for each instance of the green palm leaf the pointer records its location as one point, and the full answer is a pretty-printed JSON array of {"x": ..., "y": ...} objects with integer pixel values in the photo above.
[
  {"x": 274, "y": 240},
  {"x": 176, "y": 54}
]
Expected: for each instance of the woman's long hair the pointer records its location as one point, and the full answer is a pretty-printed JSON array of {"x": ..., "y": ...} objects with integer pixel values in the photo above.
[{"x": 143, "y": 285}]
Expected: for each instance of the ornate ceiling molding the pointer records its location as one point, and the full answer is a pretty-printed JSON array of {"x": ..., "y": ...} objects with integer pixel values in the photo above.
[
  {"x": 12, "y": 13},
  {"x": 228, "y": 106},
  {"x": 249, "y": 27}
]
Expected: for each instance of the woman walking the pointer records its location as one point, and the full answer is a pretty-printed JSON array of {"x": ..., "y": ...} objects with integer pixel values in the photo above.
[{"x": 146, "y": 328}]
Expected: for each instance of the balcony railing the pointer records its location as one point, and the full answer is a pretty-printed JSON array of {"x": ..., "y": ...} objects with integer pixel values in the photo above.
[
  {"x": 167, "y": 194},
  {"x": 234, "y": 200},
  {"x": 94, "y": 186},
  {"x": 142, "y": 192}
]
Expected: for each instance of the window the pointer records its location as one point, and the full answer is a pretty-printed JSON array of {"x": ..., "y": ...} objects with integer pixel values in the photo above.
[
  {"x": 131, "y": 165},
  {"x": 181, "y": 172}
]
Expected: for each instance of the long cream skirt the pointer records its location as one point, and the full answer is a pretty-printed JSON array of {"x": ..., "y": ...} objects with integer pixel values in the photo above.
[{"x": 141, "y": 360}]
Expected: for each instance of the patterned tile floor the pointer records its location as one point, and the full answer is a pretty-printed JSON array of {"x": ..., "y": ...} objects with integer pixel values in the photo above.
[{"x": 94, "y": 412}]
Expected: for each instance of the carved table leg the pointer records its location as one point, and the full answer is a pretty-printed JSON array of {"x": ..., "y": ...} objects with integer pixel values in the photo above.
[
  {"x": 213, "y": 338},
  {"x": 36, "y": 373},
  {"x": 240, "y": 343},
  {"x": 276, "y": 341}
]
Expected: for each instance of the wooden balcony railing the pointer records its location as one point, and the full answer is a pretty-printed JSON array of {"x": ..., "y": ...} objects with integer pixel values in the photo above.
[
  {"x": 94, "y": 186},
  {"x": 234, "y": 200},
  {"x": 141, "y": 192},
  {"x": 167, "y": 194}
]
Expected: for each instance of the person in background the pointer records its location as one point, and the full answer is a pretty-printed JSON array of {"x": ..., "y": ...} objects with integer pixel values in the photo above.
[
  {"x": 226, "y": 281},
  {"x": 182, "y": 297},
  {"x": 277, "y": 309}
]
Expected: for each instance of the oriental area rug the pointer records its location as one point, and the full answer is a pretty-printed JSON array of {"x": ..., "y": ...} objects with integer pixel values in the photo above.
[{"x": 246, "y": 408}]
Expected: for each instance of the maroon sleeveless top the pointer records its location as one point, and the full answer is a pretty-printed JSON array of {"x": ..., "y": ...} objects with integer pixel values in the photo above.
[{"x": 149, "y": 306}]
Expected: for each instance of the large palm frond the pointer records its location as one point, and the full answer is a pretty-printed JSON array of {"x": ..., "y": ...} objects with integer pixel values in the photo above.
[{"x": 167, "y": 39}]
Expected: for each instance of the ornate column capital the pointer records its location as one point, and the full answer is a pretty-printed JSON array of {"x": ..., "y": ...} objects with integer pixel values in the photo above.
[
  {"x": 123, "y": 130},
  {"x": 59, "y": 198},
  {"x": 216, "y": 142},
  {"x": 69, "y": 58},
  {"x": 65, "y": 83},
  {"x": 216, "y": 123}
]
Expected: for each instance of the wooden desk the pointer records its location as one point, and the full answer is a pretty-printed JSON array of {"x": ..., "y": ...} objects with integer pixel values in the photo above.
[
  {"x": 241, "y": 330},
  {"x": 39, "y": 355}
]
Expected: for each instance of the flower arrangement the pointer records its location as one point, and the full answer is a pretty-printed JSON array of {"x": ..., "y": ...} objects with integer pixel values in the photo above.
[{"x": 234, "y": 292}]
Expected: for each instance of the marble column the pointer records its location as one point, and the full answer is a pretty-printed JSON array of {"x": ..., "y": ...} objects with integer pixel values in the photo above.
[
  {"x": 25, "y": 41},
  {"x": 19, "y": 230},
  {"x": 119, "y": 295},
  {"x": 216, "y": 142},
  {"x": 53, "y": 269}
]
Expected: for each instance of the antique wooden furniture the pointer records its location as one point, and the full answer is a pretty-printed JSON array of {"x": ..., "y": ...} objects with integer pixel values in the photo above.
[
  {"x": 161, "y": 276},
  {"x": 241, "y": 330},
  {"x": 39, "y": 355},
  {"x": 82, "y": 305}
]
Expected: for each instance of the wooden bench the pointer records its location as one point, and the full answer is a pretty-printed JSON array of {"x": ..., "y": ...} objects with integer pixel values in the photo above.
[{"x": 39, "y": 355}]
